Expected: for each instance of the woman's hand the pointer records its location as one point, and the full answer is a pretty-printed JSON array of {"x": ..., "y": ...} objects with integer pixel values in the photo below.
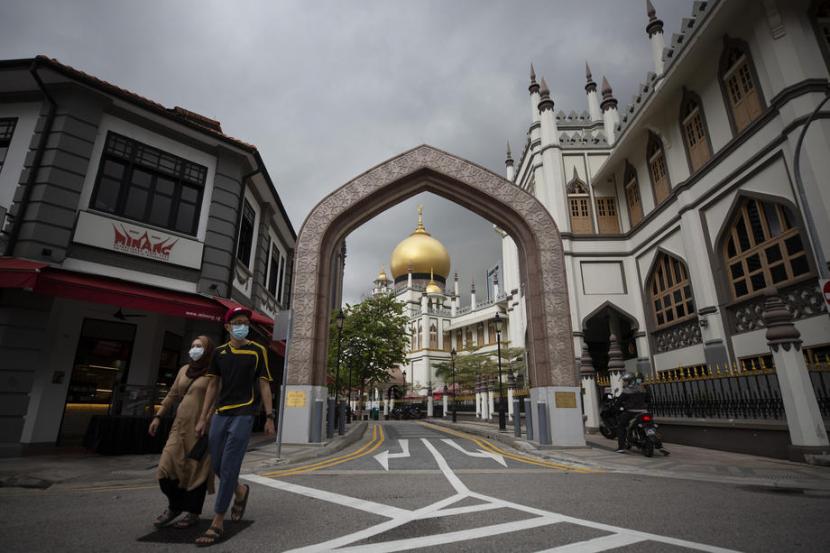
[
  {"x": 200, "y": 427},
  {"x": 154, "y": 426}
]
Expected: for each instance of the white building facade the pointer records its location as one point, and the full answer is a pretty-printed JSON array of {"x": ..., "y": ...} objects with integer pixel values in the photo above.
[{"x": 677, "y": 211}]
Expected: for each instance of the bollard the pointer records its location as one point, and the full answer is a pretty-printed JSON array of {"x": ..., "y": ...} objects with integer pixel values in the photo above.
[
  {"x": 341, "y": 418},
  {"x": 331, "y": 413},
  {"x": 517, "y": 418},
  {"x": 316, "y": 421},
  {"x": 528, "y": 419},
  {"x": 542, "y": 424}
]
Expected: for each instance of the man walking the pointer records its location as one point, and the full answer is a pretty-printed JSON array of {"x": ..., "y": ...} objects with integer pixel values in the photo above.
[{"x": 239, "y": 377}]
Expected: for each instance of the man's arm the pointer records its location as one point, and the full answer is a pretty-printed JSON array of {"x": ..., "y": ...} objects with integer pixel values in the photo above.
[
  {"x": 265, "y": 393},
  {"x": 210, "y": 398}
]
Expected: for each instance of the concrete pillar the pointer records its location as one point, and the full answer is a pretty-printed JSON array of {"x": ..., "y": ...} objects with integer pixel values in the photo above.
[
  {"x": 445, "y": 403},
  {"x": 510, "y": 172},
  {"x": 552, "y": 194},
  {"x": 590, "y": 396},
  {"x": 807, "y": 432},
  {"x": 491, "y": 400},
  {"x": 430, "y": 406},
  {"x": 511, "y": 386},
  {"x": 478, "y": 397}
]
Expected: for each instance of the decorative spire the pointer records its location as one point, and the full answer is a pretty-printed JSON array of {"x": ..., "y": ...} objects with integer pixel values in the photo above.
[
  {"x": 456, "y": 277},
  {"x": 545, "y": 102},
  {"x": 534, "y": 86},
  {"x": 590, "y": 85},
  {"x": 654, "y": 25},
  {"x": 576, "y": 175},
  {"x": 473, "y": 286},
  {"x": 586, "y": 363},
  {"x": 608, "y": 100},
  {"x": 779, "y": 322},
  {"x": 420, "y": 228},
  {"x": 509, "y": 160},
  {"x": 616, "y": 362}
]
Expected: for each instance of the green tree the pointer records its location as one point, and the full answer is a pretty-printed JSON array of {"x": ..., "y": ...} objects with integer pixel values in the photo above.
[
  {"x": 373, "y": 340},
  {"x": 470, "y": 364}
]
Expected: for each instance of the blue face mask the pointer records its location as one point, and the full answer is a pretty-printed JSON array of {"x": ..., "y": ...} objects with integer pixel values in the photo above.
[{"x": 240, "y": 332}]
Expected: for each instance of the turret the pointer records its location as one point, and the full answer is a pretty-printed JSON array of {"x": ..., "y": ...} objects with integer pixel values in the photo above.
[
  {"x": 508, "y": 164},
  {"x": 473, "y": 296},
  {"x": 610, "y": 116},
  {"x": 455, "y": 297},
  {"x": 593, "y": 98},
  {"x": 495, "y": 286},
  {"x": 654, "y": 30},
  {"x": 550, "y": 134},
  {"x": 534, "y": 95}
]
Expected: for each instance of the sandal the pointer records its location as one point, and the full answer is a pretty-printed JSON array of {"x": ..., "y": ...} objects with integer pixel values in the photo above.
[
  {"x": 188, "y": 520},
  {"x": 165, "y": 518},
  {"x": 238, "y": 509},
  {"x": 212, "y": 535}
]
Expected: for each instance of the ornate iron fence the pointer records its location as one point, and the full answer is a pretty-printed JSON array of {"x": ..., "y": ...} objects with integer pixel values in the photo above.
[{"x": 729, "y": 392}]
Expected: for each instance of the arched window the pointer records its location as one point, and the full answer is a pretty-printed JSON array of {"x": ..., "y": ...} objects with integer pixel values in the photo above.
[
  {"x": 607, "y": 215},
  {"x": 579, "y": 204},
  {"x": 670, "y": 291},
  {"x": 632, "y": 195},
  {"x": 657, "y": 168},
  {"x": 433, "y": 336},
  {"x": 762, "y": 248},
  {"x": 491, "y": 332},
  {"x": 740, "y": 84},
  {"x": 695, "y": 135},
  {"x": 447, "y": 337},
  {"x": 480, "y": 334},
  {"x": 414, "y": 337},
  {"x": 820, "y": 16}
]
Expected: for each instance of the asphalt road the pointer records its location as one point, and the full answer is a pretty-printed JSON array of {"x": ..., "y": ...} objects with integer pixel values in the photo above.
[{"x": 441, "y": 492}]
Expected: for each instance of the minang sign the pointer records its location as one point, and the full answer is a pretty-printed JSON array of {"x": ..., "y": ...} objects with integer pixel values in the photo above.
[{"x": 115, "y": 235}]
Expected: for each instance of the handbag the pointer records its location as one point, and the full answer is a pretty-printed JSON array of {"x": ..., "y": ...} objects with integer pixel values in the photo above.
[{"x": 197, "y": 452}]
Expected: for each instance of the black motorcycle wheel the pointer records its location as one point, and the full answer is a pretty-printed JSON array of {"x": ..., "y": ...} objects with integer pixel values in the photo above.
[
  {"x": 648, "y": 448},
  {"x": 607, "y": 432}
]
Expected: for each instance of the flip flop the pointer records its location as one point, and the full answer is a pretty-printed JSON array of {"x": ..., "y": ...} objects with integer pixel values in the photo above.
[
  {"x": 238, "y": 509},
  {"x": 187, "y": 521},
  {"x": 165, "y": 518},
  {"x": 209, "y": 539}
]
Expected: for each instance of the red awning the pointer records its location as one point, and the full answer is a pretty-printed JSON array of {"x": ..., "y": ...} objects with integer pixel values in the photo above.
[
  {"x": 43, "y": 279},
  {"x": 19, "y": 273},
  {"x": 256, "y": 316}
]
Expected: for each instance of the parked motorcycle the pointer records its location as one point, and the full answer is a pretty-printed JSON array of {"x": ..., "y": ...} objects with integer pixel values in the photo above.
[{"x": 642, "y": 430}]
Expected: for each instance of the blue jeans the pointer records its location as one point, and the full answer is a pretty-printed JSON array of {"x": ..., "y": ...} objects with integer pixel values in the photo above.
[{"x": 228, "y": 440}]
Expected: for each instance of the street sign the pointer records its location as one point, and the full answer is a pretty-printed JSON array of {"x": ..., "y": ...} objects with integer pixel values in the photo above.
[{"x": 825, "y": 289}]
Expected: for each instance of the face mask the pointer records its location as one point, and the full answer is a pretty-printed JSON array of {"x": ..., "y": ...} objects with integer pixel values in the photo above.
[
  {"x": 196, "y": 353},
  {"x": 240, "y": 332}
]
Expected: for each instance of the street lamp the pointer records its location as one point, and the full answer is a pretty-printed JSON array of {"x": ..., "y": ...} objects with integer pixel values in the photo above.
[
  {"x": 341, "y": 426},
  {"x": 454, "y": 398},
  {"x": 502, "y": 414}
]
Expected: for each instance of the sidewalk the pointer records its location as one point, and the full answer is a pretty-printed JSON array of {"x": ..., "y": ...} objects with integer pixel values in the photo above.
[
  {"x": 77, "y": 468},
  {"x": 685, "y": 462}
]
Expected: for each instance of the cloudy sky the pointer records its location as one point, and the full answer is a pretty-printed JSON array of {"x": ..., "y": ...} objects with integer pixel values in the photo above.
[{"x": 329, "y": 88}]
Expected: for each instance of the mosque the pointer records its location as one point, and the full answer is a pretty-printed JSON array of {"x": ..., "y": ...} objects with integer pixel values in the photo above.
[{"x": 437, "y": 321}]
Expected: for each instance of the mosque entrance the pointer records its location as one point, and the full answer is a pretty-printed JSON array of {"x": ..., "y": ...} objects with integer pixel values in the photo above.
[
  {"x": 597, "y": 329},
  {"x": 550, "y": 355}
]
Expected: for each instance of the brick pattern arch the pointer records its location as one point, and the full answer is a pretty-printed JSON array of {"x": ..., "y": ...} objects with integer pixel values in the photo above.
[{"x": 426, "y": 169}]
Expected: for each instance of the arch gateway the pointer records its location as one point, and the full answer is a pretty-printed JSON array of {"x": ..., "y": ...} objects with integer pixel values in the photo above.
[{"x": 555, "y": 390}]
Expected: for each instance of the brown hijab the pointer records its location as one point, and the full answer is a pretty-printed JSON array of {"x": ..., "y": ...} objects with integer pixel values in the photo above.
[{"x": 195, "y": 369}]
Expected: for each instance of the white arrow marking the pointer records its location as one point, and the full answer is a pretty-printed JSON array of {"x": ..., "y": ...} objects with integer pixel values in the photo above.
[
  {"x": 384, "y": 456},
  {"x": 481, "y": 453}
]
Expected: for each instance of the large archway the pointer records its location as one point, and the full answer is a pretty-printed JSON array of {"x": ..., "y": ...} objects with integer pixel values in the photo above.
[{"x": 542, "y": 270}]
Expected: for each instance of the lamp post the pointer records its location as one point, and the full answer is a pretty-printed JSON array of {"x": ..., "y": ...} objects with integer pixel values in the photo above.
[
  {"x": 341, "y": 425},
  {"x": 454, "y": 392},
  {"x": 502, "y": 415}
]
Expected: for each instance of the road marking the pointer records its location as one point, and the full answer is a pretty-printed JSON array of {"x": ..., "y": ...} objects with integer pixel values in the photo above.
[
  {"x": 481, "y": 453},
  {"x": 375, "y": 442},
  {"x": 384, "y": 456},
  {"x": 596, "y": 545},
  {"x": 454, "y": 480},
  {"x": 484, "y": 444},
  {"x": 463, "y": 510}
]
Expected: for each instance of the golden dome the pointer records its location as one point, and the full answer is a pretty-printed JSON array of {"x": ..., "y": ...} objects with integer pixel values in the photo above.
[
  {"x": 433, "y": 288},
  {"x": 382, "y": 274},
  {"x": 422, "y": 252}
]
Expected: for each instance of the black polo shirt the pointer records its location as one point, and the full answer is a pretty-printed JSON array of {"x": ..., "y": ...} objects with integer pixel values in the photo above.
[{"x": 240, "y": 370}]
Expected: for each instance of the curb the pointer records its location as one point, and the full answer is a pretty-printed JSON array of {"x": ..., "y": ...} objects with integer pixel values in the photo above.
[{"x": 352, "y": 435}]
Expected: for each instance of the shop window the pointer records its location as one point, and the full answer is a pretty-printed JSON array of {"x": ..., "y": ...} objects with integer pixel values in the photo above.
[
  {"x": 657, "y": 168},
  {"x": 761, "y": 248},
  {"x": 695, "y": 135},
  {"x": 607, "y": 218},
  {"x": 670, "y": 291},
  {"x": 7, "y": 126},
  {"x": 150, "y": 186},
  {"x": 579, "y": 206},
  {"x": 740, "y": 84},
  {"x": 632, "y": 195},
  {"x": 246, "y": 234}
]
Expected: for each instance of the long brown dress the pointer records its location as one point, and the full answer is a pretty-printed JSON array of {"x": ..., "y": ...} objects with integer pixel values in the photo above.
[{"x": 174, "y": 463}]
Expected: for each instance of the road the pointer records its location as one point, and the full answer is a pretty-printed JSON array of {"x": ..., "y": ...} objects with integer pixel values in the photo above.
[{"x": 412, "y": 486}]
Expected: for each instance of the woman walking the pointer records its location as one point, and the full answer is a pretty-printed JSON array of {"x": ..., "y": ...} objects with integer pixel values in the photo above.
[{"x": 185, "y": 480}]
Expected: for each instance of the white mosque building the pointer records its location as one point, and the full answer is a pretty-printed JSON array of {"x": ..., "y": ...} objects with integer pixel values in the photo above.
[{"x": 680, "y": 209}]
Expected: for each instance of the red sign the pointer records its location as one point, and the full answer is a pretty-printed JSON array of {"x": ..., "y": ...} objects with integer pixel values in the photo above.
[
  {"x": 825, "y": 289},
  {"x": 132, "y": 241}
]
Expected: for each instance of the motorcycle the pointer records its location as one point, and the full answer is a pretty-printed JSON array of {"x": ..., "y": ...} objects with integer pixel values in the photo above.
[{"x": 642, "y": 430}]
